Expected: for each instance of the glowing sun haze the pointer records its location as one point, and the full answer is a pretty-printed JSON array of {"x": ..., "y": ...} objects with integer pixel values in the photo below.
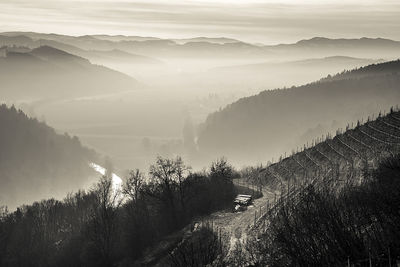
[{"x": 266, "y": 21}]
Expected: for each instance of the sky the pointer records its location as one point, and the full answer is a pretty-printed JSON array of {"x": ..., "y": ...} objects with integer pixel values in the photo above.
[{"x": 255, "y": 21}]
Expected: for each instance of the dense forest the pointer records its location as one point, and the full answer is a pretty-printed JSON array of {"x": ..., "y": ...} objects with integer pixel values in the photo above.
[
  {"x": 106, "y": 227},
  {"x": 272, "y": 122},
  {"x": 34, "y": 156}
]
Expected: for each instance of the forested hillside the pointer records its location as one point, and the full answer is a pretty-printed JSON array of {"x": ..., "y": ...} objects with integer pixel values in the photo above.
[
  {"x": 265, "y": 125},
  {"x": 36, "y": 162}
]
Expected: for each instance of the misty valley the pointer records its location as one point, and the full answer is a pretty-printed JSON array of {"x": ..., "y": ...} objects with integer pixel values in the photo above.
[
  {"x": 148, "y": 107},
  {"x": 165, "y": 148}
]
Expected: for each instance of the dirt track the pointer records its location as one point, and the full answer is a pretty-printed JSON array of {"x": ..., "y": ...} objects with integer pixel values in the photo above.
[{"x": 234, "y": 226}]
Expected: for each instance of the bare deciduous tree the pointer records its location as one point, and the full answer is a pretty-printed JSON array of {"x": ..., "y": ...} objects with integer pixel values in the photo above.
[
  {"x": 134, "y": 185},
  {"x": 170, "y": 174}
]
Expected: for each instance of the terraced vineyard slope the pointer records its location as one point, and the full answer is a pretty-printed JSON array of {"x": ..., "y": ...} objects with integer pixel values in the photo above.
[
  {"x": 343, "y": 157},
  {"x": 338, "y": 197}
]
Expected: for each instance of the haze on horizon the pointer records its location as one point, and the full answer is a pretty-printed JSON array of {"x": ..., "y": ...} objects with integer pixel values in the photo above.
[{"x": 255, "y": 21}]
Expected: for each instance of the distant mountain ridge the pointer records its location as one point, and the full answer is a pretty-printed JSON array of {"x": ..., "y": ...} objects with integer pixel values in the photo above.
[
  {"x": 361, "y": 47},
  {"x": 320, "y": 41},
  {"x": 150, "y": 46},
  {"x": 217, "y": 40}
]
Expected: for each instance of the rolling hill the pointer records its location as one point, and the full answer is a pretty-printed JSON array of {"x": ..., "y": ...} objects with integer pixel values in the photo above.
[
  {"x": 265, "y": 125},
  {"x": 216, "y": 40},
  {"x": 52, "y": 73},
  {"x": 36, "y": 162},
  {"x": 275, "y": 74},
  {"x": 99, "y": 51},
  {"x": 333, "y": 61},
  {"x": 321, "y": 47}
]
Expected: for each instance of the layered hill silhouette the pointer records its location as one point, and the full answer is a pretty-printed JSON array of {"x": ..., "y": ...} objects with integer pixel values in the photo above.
[
  {"x": 215, "y": 47},
  {"x": 267, "y": 124},
  {"x": 319, "y": 46},
  {"x": 293, "y": 72},
  {"x": 49, "y": 72},
  {"x": 36, "y": 162},
  {"x": 306, "y": 64}
]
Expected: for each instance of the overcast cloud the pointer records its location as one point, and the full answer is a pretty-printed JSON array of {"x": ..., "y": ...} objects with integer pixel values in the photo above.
[{"x": 264, "y": 21}]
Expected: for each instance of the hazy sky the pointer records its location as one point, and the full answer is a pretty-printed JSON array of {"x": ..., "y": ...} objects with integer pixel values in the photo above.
[{"x": 267, "y": 21}]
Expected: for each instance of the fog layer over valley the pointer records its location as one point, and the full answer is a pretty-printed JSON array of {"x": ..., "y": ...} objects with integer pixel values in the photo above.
[{"x": 132, "y": 98}]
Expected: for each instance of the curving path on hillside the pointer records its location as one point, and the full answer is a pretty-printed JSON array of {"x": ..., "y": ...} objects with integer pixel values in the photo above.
[{"x": 234, "y": 226}]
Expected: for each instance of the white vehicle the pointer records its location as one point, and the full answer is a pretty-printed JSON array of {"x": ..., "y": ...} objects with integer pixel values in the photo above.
[{"x": 242, "y": 201}]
